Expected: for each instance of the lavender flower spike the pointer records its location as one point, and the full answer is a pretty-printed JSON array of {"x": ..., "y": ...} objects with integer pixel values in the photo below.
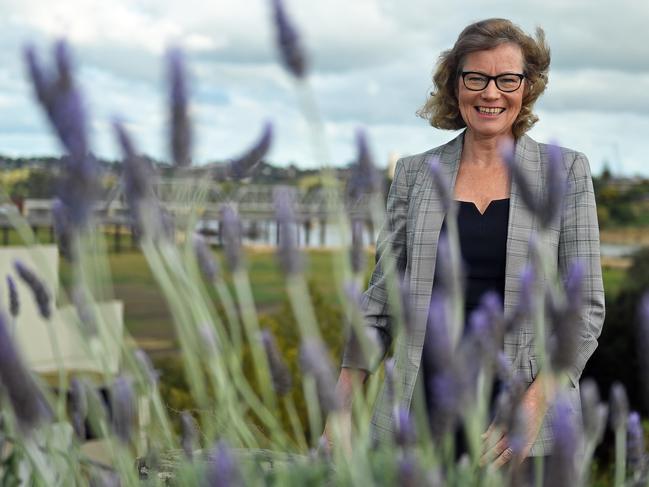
[
  {"x": 288, "y": 41},
  {"x": 123, "y": 408},
  {"x": 26, "y": 399},
  {"x": 242, "y": 166},
  {"x": 63, "y": 104},
  {"x": 404, "y": 433},
  {"x": 547, "y": 208},
  {"x": 206, "y": 261},
  {"x": 63, "y": 228},
  {"x": 289, "y": 257},
  {"x": 139, "y": 176},
  {"x": 565, "y": 320},
  {"x": 14, "y": 302},
  {"x": 230, "y": 228},
  {"x": 41, "y": 294},
  {"x": 222, "y": 469},
  {"x": 441, "y": 183},
  {"x": 279, "y": 372},
  {"x": 357, "y": 254},
  {"x": 562, "y": 467},
  {"x": 364, "y": 178},
  {"x": 180, "y": 126},
  {"x": 315, "y": 361},
  {"x": 79, "y": 407},
  {"x": 635, "y": 443}
]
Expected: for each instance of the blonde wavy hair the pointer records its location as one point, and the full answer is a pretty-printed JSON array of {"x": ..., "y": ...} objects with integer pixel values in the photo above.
[{"x": 441, "y": 108}]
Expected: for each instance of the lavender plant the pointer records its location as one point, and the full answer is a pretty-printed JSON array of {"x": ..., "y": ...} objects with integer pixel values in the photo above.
[{"x": 239, "y": 412}]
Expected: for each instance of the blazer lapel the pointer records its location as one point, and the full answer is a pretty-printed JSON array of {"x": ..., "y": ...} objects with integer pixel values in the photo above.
[{"x": 429, "y": 216}]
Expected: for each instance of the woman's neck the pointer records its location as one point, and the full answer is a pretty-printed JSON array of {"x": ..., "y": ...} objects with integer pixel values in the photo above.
[{"x": 484, "y": 151}]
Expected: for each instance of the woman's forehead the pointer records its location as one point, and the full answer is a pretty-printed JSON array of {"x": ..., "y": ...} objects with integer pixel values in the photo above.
[{"x": 505, "y": 57}]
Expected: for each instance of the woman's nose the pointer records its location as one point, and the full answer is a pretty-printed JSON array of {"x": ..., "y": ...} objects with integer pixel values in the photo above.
[{"x": 491, "y": 91}]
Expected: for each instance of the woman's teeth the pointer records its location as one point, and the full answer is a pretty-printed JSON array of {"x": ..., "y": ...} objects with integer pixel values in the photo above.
[{"x": 490, "y": 111}]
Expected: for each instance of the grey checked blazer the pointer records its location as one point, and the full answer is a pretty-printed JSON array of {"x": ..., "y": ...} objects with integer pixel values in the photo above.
[{"x": 413, "y": 221}]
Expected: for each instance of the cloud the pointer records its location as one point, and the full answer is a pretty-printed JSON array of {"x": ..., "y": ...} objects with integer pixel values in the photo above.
[{"x": 371, "y": 66}]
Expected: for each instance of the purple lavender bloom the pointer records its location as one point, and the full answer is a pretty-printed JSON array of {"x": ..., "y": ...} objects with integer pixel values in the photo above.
[
  {"x": 20, "y": 388},
  {"x": 409, "y": 473},
  {"x": 63, "y": 229},
  {"x": 180, "y": 125},
  {"x": 139, "y": 176},
  {"x": 508, "y": 405},
  {"x": 594, "y": 412},
  {"x": 526, "y": 301},
  {"x": 405, "y": 435},
  {"x": 438, "y": 341},
  {"x": 189, "y": 438},
  {"x": 441, "y": 184},
  {"x": 79, "y": 407},
  {"x": 230, "y": 228},
  {"x": 546, "y": 208},
  {"x": 562, "y": 467},
  {"x": 14, "y": 303},
  {"x": 288, "y": 41},
  {"x": 448, "y": 273},
  {"x": 504, "y": 368},
  {"x": 357, "y": 256},
  {"x": 446, "y": 394},
  {"x": 206, "y": 261},
  {"x": 243, "y": 166},
  {"x": 222, "y": 469},
  {"x": 316, "y": 363},
  {"x": 364, "y": 178},
  {"x": 565, "y": 320},
  {"x": 279, "y": 372},
  {"x": 487, "y": 324},
  {"x": 123, "y": 408},
  {"x": 290, "y": 259},
  {"x": 635, "y": 443},
  {"x": 63, "y": 104},
  {"x": 41, "y": 294},
  {"x": 619, "y": 407}
]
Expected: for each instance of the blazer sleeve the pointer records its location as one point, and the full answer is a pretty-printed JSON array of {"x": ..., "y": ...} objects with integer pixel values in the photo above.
[
  {"x": 579, "y": 239},
  {"x": 390, "y": 246}
]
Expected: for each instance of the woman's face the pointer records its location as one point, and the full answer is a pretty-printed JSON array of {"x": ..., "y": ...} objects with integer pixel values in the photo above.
[{"x": 491, "y": 112}]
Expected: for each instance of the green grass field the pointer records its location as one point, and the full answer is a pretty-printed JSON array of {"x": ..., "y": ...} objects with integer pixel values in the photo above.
[
  {"x": 146, "y": 314},
  {"x": 148, "y": 319}
]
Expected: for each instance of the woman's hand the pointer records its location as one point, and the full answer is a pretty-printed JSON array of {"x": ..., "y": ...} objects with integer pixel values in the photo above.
[
  {"x": 534, "y": 405},
  {"x": 339, "y": 424}
]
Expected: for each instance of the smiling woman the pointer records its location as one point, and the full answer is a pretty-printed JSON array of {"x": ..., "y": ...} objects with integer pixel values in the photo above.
[{"x": 543, "y": 205}]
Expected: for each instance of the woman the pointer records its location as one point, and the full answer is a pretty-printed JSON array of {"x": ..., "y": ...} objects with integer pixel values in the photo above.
[{"x": 488, "y": 82}]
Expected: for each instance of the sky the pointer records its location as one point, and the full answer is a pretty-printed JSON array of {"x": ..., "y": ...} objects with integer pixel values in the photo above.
[{"x": 370, "y": 67}]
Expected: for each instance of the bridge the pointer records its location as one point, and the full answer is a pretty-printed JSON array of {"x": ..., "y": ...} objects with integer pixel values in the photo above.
[{"x": 254, "y": 204}]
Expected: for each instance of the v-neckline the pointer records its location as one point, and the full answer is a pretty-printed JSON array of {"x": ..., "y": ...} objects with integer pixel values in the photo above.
[{"x": 472, "y": 203}]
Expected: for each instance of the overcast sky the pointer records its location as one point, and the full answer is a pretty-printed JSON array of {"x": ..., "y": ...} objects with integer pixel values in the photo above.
[{"x": 371, "y": 62}]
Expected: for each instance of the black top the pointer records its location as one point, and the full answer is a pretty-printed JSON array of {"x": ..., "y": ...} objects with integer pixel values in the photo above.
[{"x": 483, "y": 246}]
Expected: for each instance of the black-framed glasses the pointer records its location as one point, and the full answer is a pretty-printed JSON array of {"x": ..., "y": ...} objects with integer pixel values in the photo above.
[{"x": 506, "y": 82}]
